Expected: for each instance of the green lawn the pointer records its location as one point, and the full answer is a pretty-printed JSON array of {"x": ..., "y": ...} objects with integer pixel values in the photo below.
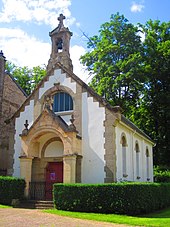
[
  {"x": 161, "y": 218},
  {"x": 4, "y": 206}
]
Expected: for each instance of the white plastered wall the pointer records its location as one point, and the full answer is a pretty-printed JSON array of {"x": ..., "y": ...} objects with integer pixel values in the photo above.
[
  {"x": 131, "y": 137},
  {"x": 58, "y": 77},
  {"x": 27, "y": 114},
  {"x": 93, "y": 141},
  {"x": 54, "y": 149}
]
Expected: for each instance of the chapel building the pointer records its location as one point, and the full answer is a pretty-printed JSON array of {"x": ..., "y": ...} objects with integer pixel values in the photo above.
[{"x": 65, "y": 132}]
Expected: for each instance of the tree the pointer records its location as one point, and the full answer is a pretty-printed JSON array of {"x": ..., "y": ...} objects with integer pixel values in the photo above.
[
  {"x": 135, "y": 75},
  {"x": 25, "y": 77},
  {"x": 156, "y": 59},
  {"x": 114, "y": 59}
]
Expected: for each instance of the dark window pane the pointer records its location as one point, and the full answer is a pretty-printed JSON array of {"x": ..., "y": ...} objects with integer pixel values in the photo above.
[
  {"x": 67, "y": 102},
  {"x": 55, "y": 104},
  {"x": 70, "y": 103},
  {"x": 62, "y": 102}
]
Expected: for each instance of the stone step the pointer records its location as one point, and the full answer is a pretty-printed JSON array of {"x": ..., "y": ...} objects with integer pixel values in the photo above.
[
  {"x": 44, "y": 205},
  {"x": 33, "y": 204}
]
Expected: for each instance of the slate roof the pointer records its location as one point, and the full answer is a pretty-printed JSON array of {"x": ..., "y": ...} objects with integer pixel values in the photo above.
[
  {"x": 20, "y": 88},
  {"x": 134, "y": 127}
]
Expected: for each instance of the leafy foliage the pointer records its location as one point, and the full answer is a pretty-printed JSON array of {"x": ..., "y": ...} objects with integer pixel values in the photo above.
[
  {"x": 135, "y": 75},
  {"x": 161, "y": 174},
  {"x": 120, "y": 198},
  {"x": 25, "y": 77},
  {"x": 11, "y": 188},
  {"x": 113, "y": 58}
]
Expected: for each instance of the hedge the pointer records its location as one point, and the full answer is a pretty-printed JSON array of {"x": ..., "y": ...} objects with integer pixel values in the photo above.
[
  {"x": 161, "y": 174},
  {"x": 120, "y": 198},
  {"x": 11, "y": 188}
]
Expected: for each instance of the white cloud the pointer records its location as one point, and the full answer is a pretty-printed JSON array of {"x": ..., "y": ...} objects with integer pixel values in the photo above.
[
  {"x": 75, "y": 53},
  {"x": 37, "y": 11},
  {"x": 24, "y": 50},
  {"x": 136, "y": 7}
]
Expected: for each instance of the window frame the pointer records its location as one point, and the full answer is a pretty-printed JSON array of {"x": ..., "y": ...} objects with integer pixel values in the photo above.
[{"x": 62, "y": 103}]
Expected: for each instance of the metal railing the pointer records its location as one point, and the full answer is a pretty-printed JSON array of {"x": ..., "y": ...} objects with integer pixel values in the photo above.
[{"x": 40, "y": 190}]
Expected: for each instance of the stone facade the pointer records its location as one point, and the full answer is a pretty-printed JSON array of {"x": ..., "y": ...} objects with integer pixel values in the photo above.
[
  {"x": 11, "y": 97},
  {"x": 85, "y": 139}
]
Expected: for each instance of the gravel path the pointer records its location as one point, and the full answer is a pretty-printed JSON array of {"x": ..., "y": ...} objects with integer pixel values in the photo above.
[{"x": 14, "y": 217}]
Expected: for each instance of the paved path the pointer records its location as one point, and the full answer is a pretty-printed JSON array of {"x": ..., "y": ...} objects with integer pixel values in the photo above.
[{"x": 14, "y": 217}]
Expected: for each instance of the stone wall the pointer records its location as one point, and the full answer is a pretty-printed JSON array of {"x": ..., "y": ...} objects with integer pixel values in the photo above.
[{"x": 12, "y": 98}]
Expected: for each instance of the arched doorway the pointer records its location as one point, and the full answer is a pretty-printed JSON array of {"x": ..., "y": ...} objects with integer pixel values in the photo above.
[
  {"x": 48, "y": 168},
  {"x": 53, "y": 149},
  {"x": 54, "y": 174},
  {"x": 49, "y": 140}
]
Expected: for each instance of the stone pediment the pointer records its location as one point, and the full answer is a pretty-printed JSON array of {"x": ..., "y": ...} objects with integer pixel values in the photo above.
[{"x": 48, "y": 120}]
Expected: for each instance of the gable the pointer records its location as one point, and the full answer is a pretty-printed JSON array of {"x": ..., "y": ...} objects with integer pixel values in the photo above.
[{"x": 59, "y": 77}]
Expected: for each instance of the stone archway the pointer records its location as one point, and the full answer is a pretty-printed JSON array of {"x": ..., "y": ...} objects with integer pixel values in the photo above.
[{"x": 37, "y": 149}]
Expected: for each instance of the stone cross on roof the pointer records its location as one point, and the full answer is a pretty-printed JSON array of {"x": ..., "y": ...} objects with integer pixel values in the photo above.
[{"x": 61, "y": 18}]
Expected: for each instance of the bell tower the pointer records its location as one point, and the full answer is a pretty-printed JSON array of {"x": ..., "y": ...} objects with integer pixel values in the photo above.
[{"x": 60, "y": 38}]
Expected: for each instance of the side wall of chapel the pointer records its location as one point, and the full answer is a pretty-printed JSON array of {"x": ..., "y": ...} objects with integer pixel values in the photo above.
[{"x": 133, "y": 139}]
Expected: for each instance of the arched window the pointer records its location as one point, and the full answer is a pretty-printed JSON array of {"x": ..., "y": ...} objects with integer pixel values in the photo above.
[
  {"x": 147, "y": 164},
  {"x": 124, "y": 167},
  {"x": 62, "y": 102},
  {"x": 59, "y": 45},
  {"x": 137, "y": 160}
]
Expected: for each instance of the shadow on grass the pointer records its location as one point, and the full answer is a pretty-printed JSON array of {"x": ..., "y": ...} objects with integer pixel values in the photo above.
[{"x": 164, "y": 213}]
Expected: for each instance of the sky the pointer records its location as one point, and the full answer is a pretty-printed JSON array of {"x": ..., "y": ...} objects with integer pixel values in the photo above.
[{"x": 25, "y": 25}]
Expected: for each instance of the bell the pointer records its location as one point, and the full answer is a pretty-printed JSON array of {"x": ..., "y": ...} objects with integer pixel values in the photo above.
[{"x": 60, "y": 44}]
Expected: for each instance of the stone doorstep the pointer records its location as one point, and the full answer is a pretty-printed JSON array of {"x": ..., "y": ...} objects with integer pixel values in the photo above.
[
  {"x": 35, "y": 204},
  {"x": 44, "y": 205}
]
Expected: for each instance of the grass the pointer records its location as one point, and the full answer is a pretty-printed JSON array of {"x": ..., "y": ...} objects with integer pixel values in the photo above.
[
  {"x": 4, "y": 206},
  {"x": 160, "y": 218}
]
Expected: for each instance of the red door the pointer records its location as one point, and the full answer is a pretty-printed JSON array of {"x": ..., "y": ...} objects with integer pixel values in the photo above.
[{"x": 54, "y": 174}]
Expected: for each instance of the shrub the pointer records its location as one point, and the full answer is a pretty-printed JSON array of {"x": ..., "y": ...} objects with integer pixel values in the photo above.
[
  {"x": 120, "y": 198},
  {"x": 11, "y": 188},
  {"x": 161, "y": 174}
]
